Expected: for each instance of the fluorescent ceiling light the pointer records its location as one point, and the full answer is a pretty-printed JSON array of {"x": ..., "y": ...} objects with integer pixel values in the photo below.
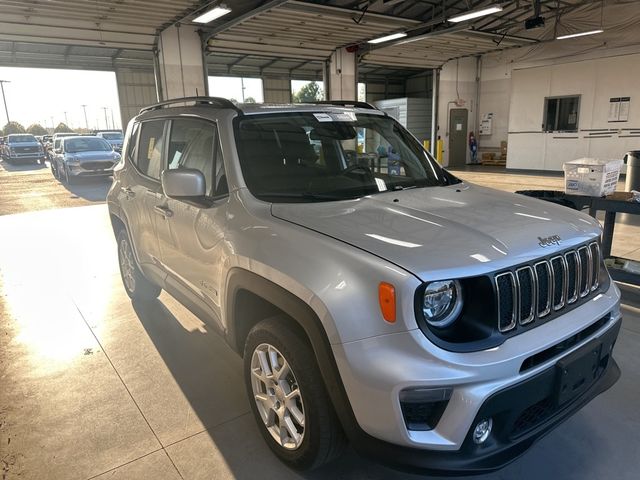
[
  {"x": 211, "y": 15},
  {"x": 581, "y": 34},
  {"x": 393, "y": 36},
  {"x": 478, "y": 13}
]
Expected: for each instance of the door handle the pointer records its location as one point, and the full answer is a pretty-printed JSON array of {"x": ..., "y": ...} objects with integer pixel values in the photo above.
[
  {"x": 128, "y": 192},
  {"x": 164, "y": 211}
]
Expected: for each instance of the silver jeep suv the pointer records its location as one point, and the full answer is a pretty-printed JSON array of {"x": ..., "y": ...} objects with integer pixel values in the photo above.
[{"x": 435, "y": 324}]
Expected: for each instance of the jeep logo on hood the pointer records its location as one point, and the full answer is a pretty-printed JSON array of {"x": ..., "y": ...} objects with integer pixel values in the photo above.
[{"x": 552, "y": 240}]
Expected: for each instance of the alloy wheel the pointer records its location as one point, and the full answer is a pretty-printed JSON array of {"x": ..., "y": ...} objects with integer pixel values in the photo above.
[
  {"x": 127, "y": 267},
  {"x": 277, "y": 396}
]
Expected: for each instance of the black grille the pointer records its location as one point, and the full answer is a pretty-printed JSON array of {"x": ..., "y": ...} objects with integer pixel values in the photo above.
[
  {"x": 506, "y": 286},
  {"x": 97, "y": 165},
  {"x": 533, "y": 416},
  {"x": 551, "y": 284}
]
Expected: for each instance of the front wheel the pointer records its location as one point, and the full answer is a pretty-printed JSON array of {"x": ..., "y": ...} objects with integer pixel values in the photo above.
[
  {"x": 137, "y": 286},
  {"x": 288, "y": 397}
]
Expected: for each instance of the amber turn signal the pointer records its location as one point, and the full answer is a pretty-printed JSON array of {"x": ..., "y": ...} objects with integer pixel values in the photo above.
[{"x": 387, "y": 298}]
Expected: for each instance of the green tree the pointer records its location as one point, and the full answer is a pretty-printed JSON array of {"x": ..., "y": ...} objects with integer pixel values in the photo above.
[
  {"x": 12, "y": 127},
  {"x": 37, "y": 129},
  {"x": 311, "y": 92},
  {"x": 62, "y": 128},
  {"x": 249, "y": 100}
]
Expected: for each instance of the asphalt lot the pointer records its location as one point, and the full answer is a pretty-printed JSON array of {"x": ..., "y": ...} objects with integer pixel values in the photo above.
[
  {"x": 92, "y": 386},
  {"x": 28, "y": 187}
]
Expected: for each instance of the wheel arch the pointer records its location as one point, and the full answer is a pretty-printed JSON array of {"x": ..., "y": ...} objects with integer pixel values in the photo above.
[{"x": 248, "y": 293}]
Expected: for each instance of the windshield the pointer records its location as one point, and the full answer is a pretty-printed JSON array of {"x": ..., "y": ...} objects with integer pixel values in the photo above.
[
  {"x": 86, "y": 144},
  {"x": 311, "y": 157},
  {"x": 112, "y": 136},
  {"x": 22, "y": 139}
]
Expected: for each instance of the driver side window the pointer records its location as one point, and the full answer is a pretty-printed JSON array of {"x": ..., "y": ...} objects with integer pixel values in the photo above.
[{"x": 194, "y": 144}]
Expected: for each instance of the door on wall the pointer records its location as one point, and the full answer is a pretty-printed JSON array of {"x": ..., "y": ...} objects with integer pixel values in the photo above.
[{"x": 458, "y": 137}]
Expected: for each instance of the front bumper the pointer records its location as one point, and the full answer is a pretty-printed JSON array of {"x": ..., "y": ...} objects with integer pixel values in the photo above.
[
  {"x": 374, "y": 371},
  {"x": 28, "y": 157},
  {"x": 80, "y": 170},
  {"x": 499, "y": 451}
]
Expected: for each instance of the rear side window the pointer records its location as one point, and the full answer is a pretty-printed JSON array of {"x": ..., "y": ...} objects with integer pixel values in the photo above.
[{"x": 149, "y": 150}]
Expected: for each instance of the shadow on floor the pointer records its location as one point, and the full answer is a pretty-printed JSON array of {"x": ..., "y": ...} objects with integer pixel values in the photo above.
[{"x": 209, "y": 374}]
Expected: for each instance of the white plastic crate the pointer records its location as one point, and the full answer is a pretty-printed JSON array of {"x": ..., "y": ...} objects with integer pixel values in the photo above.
[{"x": 591, "y": 176}]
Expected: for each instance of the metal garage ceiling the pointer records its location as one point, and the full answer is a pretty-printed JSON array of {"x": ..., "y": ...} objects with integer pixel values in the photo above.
[
  {"x": 313, "y": 29},
  {"x": 80, "y": 57},
  {"x": 112, "y": 23},
  {"x": 435, "y": 51},
  {"x": 270, "y": 36},
  {"x": 301, "y": 30},
  {"x": 241, "y": 65}
]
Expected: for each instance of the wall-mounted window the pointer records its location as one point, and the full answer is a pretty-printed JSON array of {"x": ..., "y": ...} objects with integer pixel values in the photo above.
[
  {"x": 237, "y": 89},
  {"x": 561, "y": 114}
]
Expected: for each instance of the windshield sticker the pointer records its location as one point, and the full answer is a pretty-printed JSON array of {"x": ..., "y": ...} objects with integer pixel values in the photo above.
[
  {"x": 323, "y": 117},
  {"x": 336, "y": 117},
  {"x": 381, "y": 185}
]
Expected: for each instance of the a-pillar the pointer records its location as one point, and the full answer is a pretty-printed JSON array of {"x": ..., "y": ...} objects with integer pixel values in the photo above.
[
  {"x": 341, "y": 75},
  {"x": 180, "y": 65}
]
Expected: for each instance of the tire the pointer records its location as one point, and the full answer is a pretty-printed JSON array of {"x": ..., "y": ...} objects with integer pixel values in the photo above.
[
  {"x": 68, "y": 179},
  {"x": 54, "y": 172},
  {"x": 137, "y": 286},
  {"x": 320, "y": 438}
]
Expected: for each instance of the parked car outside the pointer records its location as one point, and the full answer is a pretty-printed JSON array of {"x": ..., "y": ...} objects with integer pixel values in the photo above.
[
  {"x": 22, "y": 147},
  {"x": 114, "y": 138},
  {"x": 435, "y": 324},
  {"x": 82, "y": 156}
]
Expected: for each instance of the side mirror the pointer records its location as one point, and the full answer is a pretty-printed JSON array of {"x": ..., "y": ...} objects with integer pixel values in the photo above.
[{"x": 184, "y": 184}]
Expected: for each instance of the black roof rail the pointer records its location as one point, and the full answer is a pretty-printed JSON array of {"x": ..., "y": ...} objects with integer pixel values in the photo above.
[
  {"x": 347, "y": 103},
  {"x": 218, "y": 102}
]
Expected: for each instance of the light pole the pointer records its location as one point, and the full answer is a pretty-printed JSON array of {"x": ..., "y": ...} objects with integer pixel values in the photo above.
[
  {"x": 86, "y": 122},
  {"x": 106, "y": 121},
  {"x": 66, "y": 119},
  {"x": 6, "y": 110}
]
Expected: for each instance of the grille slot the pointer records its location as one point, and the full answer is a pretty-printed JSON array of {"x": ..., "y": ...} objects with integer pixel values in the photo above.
[
  {"x": 543, "y": 278},
  {"x": 531, "y": 292},
  {"x": 559, "y": 274},
  {"x": 526, "y": 287},
  {"x": 573, "y": 269},
  {"x": 506, "y": 288},
  {"x": 594, "y": 249}
]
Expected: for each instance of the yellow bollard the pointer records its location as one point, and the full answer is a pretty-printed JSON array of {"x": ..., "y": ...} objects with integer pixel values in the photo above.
[{"x": 439, "y": 150}]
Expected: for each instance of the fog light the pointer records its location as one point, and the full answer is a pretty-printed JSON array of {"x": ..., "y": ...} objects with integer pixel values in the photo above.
[{"x": 482, "y": 430}]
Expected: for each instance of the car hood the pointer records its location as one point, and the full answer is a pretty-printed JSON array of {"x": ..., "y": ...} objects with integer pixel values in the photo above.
[
  {"x": 446, "y": 232},
  {"x": 82, "y": 156}
]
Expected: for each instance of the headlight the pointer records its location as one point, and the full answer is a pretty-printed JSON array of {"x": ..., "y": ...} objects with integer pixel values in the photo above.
[{"x": 442, "y": 303}]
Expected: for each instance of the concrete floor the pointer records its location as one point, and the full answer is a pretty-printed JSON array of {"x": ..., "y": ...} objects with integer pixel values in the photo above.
[{"x": 92, "y": 386}]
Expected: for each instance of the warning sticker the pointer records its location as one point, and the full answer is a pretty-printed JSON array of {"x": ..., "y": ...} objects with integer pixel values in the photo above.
[
  {"x": 335, "y": 117},
  {"x": 323, "y": 117}
]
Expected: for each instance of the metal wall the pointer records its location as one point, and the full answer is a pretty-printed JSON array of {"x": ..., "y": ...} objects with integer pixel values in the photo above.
[{"x": 136, "y": 89}]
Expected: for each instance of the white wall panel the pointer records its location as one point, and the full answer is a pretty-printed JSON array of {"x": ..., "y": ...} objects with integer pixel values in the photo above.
[
  {"x": 526, "y": 151},
  {"x": 596, "y": 81}
]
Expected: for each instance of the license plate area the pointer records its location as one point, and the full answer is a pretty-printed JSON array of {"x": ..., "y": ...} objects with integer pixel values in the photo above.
[{"x": 578, "y": 371}]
